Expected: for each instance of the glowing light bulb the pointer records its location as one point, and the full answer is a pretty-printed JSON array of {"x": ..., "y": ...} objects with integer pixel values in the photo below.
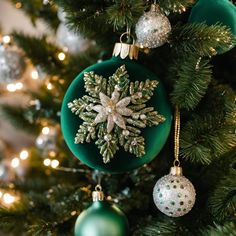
[
  {"x": 73, "y": 213},
  {"x": 18, "y": 5},
  {"x": 46, "y": 130},
  {"x": 11, "y": 87},
  {"x": 8, "y": 198},
  {"x": 19, "y": 85},
  {"x": 61, "y": 56},
  {"x": 15, "y": 162},
  {"x": 47, "y": 162},
  {"x": 34, "y": 74},
  {"x": 49, "y": 86},
  {"x": 52, "y": 153},
  {"x": 24, "y": 154},
  {"x": 54, "y": 163},
  {"x": 6, "y": 39}
]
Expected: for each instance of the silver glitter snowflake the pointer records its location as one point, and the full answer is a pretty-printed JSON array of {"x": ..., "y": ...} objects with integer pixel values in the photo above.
[{"x": 114, "y": 112}]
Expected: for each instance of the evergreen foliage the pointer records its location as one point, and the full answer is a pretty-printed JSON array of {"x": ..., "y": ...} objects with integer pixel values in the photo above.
[{"x": 200, "y": 82}]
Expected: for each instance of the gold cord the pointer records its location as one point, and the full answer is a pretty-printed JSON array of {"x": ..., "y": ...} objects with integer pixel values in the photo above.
[{"x": 176, "y": 138}]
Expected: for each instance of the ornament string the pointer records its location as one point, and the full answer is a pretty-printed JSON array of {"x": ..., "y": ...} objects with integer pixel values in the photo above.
[
  {"x": 73, "y": 170},
  {"x": 176, "y": 137}
]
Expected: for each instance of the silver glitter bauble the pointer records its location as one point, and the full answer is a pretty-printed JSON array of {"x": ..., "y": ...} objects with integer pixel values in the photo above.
[
  {"x": 4, "y": 172},
  {"x": 174, "y": 195},
  {"x": 12, "y": 64},
  {"x": 75, "y": 43},
  {"x": 47, "y": 142},
  {"x": 61, "y": 14},
  {"x": 153, "y": 28}
]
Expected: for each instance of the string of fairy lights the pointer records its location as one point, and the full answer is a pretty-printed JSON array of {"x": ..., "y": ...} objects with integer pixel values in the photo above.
[
  {"x": 33, "y": 72},
  {"x": 8, "y": 197}
]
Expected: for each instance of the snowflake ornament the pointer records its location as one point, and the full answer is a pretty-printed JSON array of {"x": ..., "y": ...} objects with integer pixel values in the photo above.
[
  {"x": 112, "y": 110},
  {"x": 114, "y": 113}
]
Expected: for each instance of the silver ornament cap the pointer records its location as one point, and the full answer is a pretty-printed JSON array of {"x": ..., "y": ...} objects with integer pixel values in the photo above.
[
  {"x": 173, "y": 194},
  {"x": 153, "y": 28},
  {"x": 98, "y": 194}
]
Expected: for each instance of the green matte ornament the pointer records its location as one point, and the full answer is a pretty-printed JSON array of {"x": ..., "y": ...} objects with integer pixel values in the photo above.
[
  {"x": 151, "y": 128},
  {"x": 101, "y": 219},
  {"x": 215, "y": 11}
]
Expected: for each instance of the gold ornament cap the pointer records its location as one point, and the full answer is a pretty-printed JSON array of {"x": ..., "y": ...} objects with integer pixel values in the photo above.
[
  {"x": 125, "y": 50},
  {"x": 176, "y": 170},
  {"x": 98, "y": 194},
  {"x": 155, "y": 8}
]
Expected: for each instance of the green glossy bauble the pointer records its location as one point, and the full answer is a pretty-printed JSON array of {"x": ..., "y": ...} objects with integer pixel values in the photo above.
[
  {"x": 102, "y": 219},
  {"x": 155, "y": 136},
  {"x": 215, "y": 11}
]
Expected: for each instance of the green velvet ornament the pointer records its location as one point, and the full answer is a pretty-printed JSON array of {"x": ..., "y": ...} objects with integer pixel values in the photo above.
[
  {"x": 215, "y": 11},
  {"x": 102, "y": 219},
  {"x": 155, "y": 136}
]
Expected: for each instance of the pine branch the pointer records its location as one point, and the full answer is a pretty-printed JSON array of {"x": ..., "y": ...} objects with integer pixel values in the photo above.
[
  {"x": 204, "y": 139},
  {"x": 201, "y": 39},
  {"x": 124, "y": 13},
  {"x": 46, "y": 104},
  {"x": 13, "y": 219},
  {"x": 85, "y": 17},
  {"x": 178, "y": 6},
  {"x": 42, "y": 228},
  {"x": 222, "y": 202},
  {"x": 45, "y": 55},
  {"x": 165, "y": 226},
  {"x": 17, "y": 117},
  {"x": 193, "y": 76},
  {"x": 40, "y": 52},
  {"x": 35, "y": 9},
  {"x": 221, "y": 230}
]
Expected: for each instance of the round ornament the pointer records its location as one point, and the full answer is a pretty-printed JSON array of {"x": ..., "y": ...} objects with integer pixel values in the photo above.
[
  {"x": 115, "y": 116},
  {"x": 74, "y": 43},
  {"x": 153, "y": 28},
  {"x": 101, "y": 219},
  {"x": 215, "y": 11},
  {"x": 173, "y": 194},
  {"x": 61, "y": 14},
  {"x": 12, "y": 64},
  {"x": 47, "y": 141}
]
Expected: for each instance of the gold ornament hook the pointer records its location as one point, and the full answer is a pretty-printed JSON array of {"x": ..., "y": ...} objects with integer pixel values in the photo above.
[
  {"x": 177, "y": 135},
  {"x": 176, "y": 169}
]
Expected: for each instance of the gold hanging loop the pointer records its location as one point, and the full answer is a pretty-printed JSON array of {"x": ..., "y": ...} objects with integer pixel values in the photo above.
[{"x": 176, "y": 136}]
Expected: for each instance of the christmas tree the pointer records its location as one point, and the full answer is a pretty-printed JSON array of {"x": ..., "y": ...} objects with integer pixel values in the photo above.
[{"x": 111, "y": 128}]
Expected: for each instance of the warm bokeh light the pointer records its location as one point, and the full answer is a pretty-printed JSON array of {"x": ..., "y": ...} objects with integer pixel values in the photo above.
[
  {"x": 54, "y": 163},
  {"x": 73, "y": 213},
  {"x": 24, "y": 154},
  {"x": 1, "y": 194},
  {"x": 34, "y": 74},
  {"x": 18, "y": 5},
  {"x": 52, "y": 153},
  {"x": 19, "y": 85},
  {"x": 49, "y": 86},
  {"x": 8, "y": 198},
  {"x": 15, "y": 162},
  {"x": 61, "y": 56},
  {"x": 47, "y": 162},
  {"x": 11, "y": 87},
  {"x": 6, "y": 39},
  {"x": 46, "y": 130}
]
